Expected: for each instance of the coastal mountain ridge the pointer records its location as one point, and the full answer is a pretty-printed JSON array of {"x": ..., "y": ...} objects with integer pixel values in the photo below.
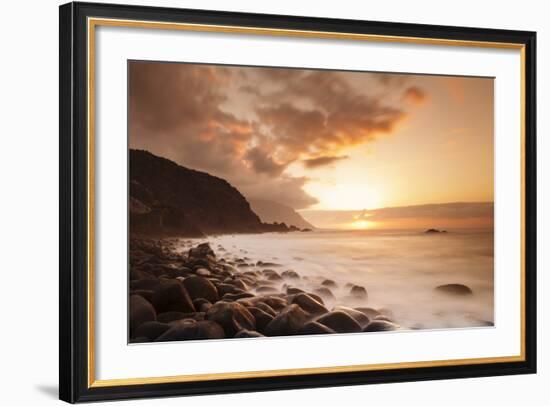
[
  {"x": 274, "y": 212},
  {"x": 169, "y": 199}
]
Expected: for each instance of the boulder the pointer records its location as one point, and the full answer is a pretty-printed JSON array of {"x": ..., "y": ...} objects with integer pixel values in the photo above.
[
  {"x": 368, "y": 311},
  {"x": 293, "y": 291},
  {"x": 288, "y": 322},
  {"x": 325, "y": 292},
  {"x": 358, "y": 316},
  {"x": 340, "y": 322},
  {"x": 380, "y": 325},
  {"x": 266, "y": 308},
  {"x": 144, "y": 284},
  {"x": 262, "y": 317},
  {"x": 151, "y": 329},
  {"x": 167, "y": 317},
  {"x": 266, "y": 290},
  {"x": 146, "y": 294},
  {"x": 141, "y": 311},
  {"x": 196, "y": 330},
  {"x": 236, "y": 296},
  {"x": 358, "y": 291},
  {"x": 172, "y": 296},
  {"x": 232, "y": 316},
  {"x": 202, "y": 304},
  {"x": 199, "y": 287},
  {"x": 309, "y": 305},
  {"x": 329, "y": 283},
  {"x": 248, "y": 334},
  {"x": 201, "y": 251},
  {"x": 276, "y": 303},
  {"x": 314, "y": 327},
  {"x": 454, "y": 289},
  {"x": 290, "y": 274}
]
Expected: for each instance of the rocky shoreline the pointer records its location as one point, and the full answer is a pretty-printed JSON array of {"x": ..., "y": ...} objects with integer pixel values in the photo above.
[{"x": 197, "y": 294}]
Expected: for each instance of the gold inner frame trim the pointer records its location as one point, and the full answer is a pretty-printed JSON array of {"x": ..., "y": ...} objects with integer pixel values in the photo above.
[{"x": 94, "y": 22}]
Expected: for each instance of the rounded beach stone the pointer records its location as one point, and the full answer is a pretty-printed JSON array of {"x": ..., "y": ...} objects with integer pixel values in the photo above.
[
  {"x": 266, "y": 308},
  {"x": 455, "y": 289},
  {"x": 262, "y": 318},
  {"x": 288, "y": 322},
  {"x": 358, "y": 316},
  {"x": 248, "y": 334},
  {"x": 329, "y": 283},
  {"x": 314, "y": 327},
  {"x": 358, "y": 291},
  {"x": 309, "y": 305},
  {"x": 199, "y": 330},
  {"x": 151, "y": 329},
  {"x": 380, "y": 325},
  {"x": 232, "y": 316},
  {"x": 340, "y": 322},
  {"x": 141, "y": 311},
  {"x": 325, "y": 292},
  {"x": 172, "y": 296},
  {"x": 290, "y": 274},
  {"x": 199, "y": 287}
]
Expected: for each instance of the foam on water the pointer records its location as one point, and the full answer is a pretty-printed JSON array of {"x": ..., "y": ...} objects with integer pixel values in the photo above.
[{"x": 399, "y": 269}]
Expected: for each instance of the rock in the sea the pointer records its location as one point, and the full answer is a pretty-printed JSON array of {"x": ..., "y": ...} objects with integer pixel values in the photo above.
[
  {"x": 368, "y": 311},
  {"x": 329, "y": 283},
  {"x": 203, "y": 272},
  {"x": 262, "y": 317},
  {"x": 198, "y": 330},
  {"x": 172, "y": 296},
  {"x": 288, "y": 322},
  {"x": 454, "y": 289},
  {"x": 141, "y": 311},
  {"x": 236, "y": 296},
  {"x": 266, "y": 290},
  {"x": 380, "y": 325},
  {"x": 340, "y": 322},
  {"x": 202, "y": 304},
  {"x": 359, "y": 316},
  {"x": 276, "y": 303},
  {"x": 271, "y": 275},
  {"x": 202, "y": 251},
  {"x": 314, "y": 327},
  {"x": 151, "y": 329},
  {"x": 358, "y": 291},
  {"x": 309, "y": 305},
  {"x": 199, "y": 287},
  {"x": 232, "y": 316},
  {"x": 266, "y": 308},
  {"x": 248, "y": 334},
  {"x": 290, "y": 290},
  {"x": 324, "y": 292},
  {"x": 290, "y": 274}
]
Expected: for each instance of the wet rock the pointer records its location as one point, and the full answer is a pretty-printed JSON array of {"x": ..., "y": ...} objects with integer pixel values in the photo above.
[
  {"x": 276, "y": 303},
  {"x": 368, "y": 311},
  {"x": 358, "y": 291},
  {"x": 340, "y": 322},
  {"x": 199, "y": 287},
  {"x": 202, "y": 251},
  {"x": 383, "y": 318},
  {"x": 380, "y": 325},
  {"x": 172, "y": 296},
  {"x": 290, "y": 274},
  {"x": 168, "y": 317},
  {"x": 317, "y": 297},
  {"x": 202, "y": 304},
  {"x": 237, "y": 296},
  {"x": 358, "y": 316},
  {"x": 224, "y": 288},
  {"x": 293, "y": 291},
  {"x": 202, "y": 272},
  {"x": 248, "y": 334},
  {"x": 141, "y": 311},
  {"x": 232, "y": 316},
  {"x": 309, "y": 305},
  {"x": 262, "y": 317},
  {"x": 144, "y": 284},
  {"x": 266, "y": 290},
  {"x": 266, "y": 308},
  {"x": 146, "y": 294},
  {"x": 329, "y": 283},
  {"x": 324, "y": 292},
  {"x": 454, "y": 289},
  {"x": 314, "y": 327},
  {"x": 271, "y": 275},
  {"x": 199, "y": 330},
  {"x": 288, "y": 322},
  {"x": 151, "y": 329}
]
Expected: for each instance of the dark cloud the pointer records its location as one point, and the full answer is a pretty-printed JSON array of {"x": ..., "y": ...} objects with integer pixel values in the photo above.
[
  {"x": 415, "y": 95},
  {"x": 322, "y": 161},
  {"x": 198, "y": 116}
]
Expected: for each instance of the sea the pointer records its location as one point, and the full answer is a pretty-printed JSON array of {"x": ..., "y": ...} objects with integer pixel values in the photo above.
[{"x": 400, "y": 269}]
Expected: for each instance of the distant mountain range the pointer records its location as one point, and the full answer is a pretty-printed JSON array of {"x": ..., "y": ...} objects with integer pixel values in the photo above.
[{"x": 169, "y": 199}]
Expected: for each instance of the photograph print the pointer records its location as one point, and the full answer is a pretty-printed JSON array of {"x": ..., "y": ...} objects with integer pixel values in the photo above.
[{"x": 271, "y": 202}]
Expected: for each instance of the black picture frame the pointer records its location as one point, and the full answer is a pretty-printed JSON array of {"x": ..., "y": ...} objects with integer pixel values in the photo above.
[{"x": 74, "y": 200}]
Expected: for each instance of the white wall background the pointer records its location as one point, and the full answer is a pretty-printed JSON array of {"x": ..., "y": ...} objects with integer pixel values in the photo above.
[{"x": 29, "y": 189}]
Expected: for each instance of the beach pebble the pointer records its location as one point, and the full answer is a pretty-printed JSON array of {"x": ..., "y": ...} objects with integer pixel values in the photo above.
[
  {"x": 309, "y": 305},
  {"x": 262, "y": 317},
  {"x": 141, "y": 311},
  {"x": 232, "y": 316},
  {"x": 187, "y": 330},
  {"x": 290, "y": 274},
  {"x": 324, "y": 292},
  {"x": 288, "y": 322},
  {"x": 314, "y": 327},
  {"x": 151, "y": 329},
  {"x": 201, "y": 251},
  {"x": 340, "y": 322},
  {"x": 248, "y": 334},
  {"x": 199, "y": 287},
  {"x": 358, "y": 291},
  {"x": 380, "y": 325},
  {"x": 329, "y": 283},
  {"x": 454, "y": 289},
  {"x": 172, "y": 296},
  {"x": 358, "y": 316}
]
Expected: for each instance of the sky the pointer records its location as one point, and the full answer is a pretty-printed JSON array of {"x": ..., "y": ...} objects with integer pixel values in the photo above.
[{"x": 323, "y": 141}]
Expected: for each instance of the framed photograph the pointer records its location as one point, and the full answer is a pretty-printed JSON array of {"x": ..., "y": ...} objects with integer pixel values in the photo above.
[{"x": 257, "y": 202}]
